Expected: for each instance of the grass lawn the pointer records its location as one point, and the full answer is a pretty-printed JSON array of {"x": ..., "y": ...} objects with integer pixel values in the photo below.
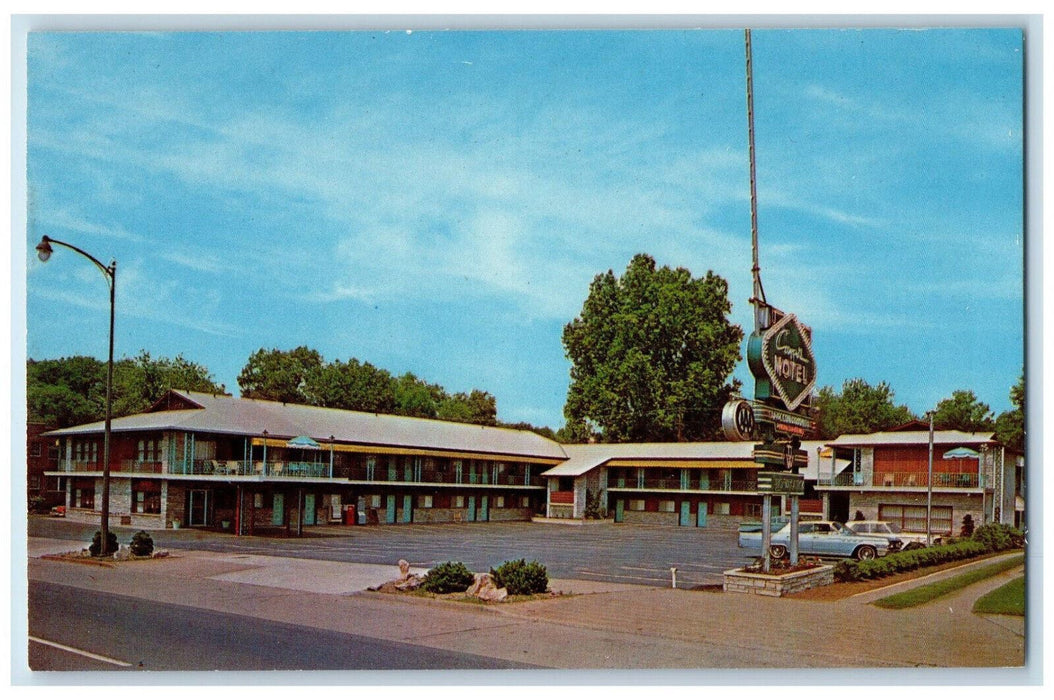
[
  {"x": 924, "y": 594},
  {"x": 1008, "y": 599}
]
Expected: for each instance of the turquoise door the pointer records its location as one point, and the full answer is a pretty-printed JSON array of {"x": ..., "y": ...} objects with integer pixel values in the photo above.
[
  {"x": 278, "y": 509},
  {"x": 700, "y": 518},
  {"x": 389, "y": 516},
  {"x": 483, "y": 508},
  {"x": 309, "y": 509},
  {"x": 472, "y": 509},
  {"x": 686, "y": 514},
  {"x": 408, "y": 509},
  {"x": 620, "y": 510}
]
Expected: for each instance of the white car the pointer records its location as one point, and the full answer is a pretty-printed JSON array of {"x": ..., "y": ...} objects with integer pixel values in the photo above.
[{"x": 889, "y": 530}]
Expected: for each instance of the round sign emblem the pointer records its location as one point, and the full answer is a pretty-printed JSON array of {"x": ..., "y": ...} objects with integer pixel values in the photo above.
[{"x": 737, "y": 420}]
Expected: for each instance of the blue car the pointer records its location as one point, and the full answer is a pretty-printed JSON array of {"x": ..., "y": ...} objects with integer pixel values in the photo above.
[{"x": 822, "y": 538}]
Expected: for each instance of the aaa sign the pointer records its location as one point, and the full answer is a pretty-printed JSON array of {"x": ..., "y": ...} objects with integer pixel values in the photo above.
[{"x": 786, "y": 352}]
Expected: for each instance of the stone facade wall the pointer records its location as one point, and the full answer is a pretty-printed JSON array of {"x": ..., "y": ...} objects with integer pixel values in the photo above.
[
  {"x": 961, "y": 503},
  {"x": 560, "y": 511},
  {"x": 737, "y": 581},
  {"x": 175, "y": 505}
]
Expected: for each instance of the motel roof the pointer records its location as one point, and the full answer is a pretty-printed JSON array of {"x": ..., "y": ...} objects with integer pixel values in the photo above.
[
  {"x": 913, "y": 437},
  {"x": 231, "y": 415}
]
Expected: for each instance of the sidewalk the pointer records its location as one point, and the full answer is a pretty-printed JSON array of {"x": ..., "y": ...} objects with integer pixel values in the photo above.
[{"x": 614, "y": 626}]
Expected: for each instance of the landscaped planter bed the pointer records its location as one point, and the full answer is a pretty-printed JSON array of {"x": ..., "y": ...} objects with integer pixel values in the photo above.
[{"x": 780, "y": 584}]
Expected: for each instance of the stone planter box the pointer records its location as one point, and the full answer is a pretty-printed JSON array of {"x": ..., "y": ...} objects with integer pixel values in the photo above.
[{"x": 777, "y": 585}]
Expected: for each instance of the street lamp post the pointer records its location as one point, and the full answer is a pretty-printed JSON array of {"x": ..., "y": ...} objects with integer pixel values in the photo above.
[
  {"x": 929, "y": 487},
  {"x": 44, "y": 251}
]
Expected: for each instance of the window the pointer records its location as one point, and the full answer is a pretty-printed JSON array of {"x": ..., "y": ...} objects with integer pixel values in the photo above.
[
  {"x": 146, "y": 497},
  {"x": 257, "y": 500},
  {"x": 525, "y": 501},
  {"x": 635, "y": 504},
  {"x": 499, "y": 501},
  {"x": 722, "y": 509},
  {"x": 84, "y": 493},
  {"x": 913, "y": 518},
  {"x": 666, "y": 507},
  {"x": 375, "y": 501},
  {"x": 424, "y": 501},
  {"x": 459, "y": 501},
  {"x": 34, "y": 482},
  {"x": 34, "y": 449},
  {"x": 752, "y": 510}
]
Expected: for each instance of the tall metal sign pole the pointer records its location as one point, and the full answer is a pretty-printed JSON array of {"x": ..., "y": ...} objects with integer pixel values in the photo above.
[{"x": 779, "y": 353}]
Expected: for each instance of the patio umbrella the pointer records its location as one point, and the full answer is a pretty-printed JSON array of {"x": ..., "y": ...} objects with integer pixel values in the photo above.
[
  {"x": 962, "y": 453},
  {"x": 303, "y": 441}
]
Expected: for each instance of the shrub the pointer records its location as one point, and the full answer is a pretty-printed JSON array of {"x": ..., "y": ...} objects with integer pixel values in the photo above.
[
  {"x": 851, "y": 570},
  {"x": 593, "y": 510},
  {"x": 37, "y": 504},
  {"x": 142, "y": 544},
  {"x": 448, "y": 577},
  {"x": 96, "y": 543},
  {"x": 997, "y": 537},
  {"x": 967, "y": 529},
  {"x": 521, "y": 577}
]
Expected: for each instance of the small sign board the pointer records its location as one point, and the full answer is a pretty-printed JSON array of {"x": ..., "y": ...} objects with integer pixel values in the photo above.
[{"x": 781, "y": 483}]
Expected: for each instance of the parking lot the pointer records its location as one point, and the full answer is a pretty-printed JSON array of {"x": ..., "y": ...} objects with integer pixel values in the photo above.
[{"x": 600, "y": 552}]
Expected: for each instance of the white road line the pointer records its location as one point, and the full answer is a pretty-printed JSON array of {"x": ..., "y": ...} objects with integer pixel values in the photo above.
[{"x": 80, "y": 652}]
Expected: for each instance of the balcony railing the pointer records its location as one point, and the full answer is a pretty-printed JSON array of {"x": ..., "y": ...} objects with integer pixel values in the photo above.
[
  {"x": 905, "y": 480},
  {"x": 435, "y": 476},
  {"x": 748, "y": 485}
]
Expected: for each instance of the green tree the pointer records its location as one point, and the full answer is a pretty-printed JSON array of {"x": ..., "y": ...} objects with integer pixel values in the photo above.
[
  {"x": 963, "y": 411},
  {"x": 477, "y": 407},
  {"x": 1010, "y": 425},
  {"x": 651, "y": 355},
  {"x": 416, "y": 397},
  {"x": 72, "y": 390},
  {"x": 353, "y": 386},
  {"x": 140, "y": 381},
  {"x": 542, "y": 430},
  {"x": 280, "y": 375},
  {"x": 860, "y": 408}
]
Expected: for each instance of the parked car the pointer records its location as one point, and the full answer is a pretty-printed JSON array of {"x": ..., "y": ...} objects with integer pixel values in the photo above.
[
  {"x": 890, "y": 531},
  {"x": 755, "y": 525},
  {"x": 823, "y": 538},
  {"x": 778, "y": 521}
]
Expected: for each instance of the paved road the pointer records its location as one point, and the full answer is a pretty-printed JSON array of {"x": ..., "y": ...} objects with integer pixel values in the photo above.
[
  {"x": 69, "y": 632},
  {"x": 612, "y": 553}
]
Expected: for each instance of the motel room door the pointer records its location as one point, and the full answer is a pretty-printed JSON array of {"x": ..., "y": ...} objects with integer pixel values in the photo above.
[
  {"x": 199, "y": 508},
  {"x": 620, "y": 510},
  {"x": 686, "y": 514},
  {"x": 309, "y": 509},
  {"x": 278, "y": 509}
]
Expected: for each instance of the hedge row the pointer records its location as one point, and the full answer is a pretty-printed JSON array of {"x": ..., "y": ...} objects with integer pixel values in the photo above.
[{"x": 988, "y": 538}]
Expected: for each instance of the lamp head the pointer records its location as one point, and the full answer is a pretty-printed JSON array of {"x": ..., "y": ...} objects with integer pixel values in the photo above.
[{"x": 44, "y": 249}]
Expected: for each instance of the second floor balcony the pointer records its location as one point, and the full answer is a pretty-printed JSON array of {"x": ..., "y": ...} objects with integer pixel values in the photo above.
[{"x": 900, "y": 480}]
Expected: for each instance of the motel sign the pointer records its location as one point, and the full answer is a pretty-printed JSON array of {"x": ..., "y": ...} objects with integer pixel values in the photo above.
[{"x": 786, "y": 352}]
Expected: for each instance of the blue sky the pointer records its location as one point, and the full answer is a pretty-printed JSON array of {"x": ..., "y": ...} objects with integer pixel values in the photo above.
[{"x": 438, "y": 202}]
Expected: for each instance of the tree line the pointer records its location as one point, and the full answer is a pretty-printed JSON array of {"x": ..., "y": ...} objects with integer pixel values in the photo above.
[
  {"x": 652, "y": 354},
  {"x": 72, "y": 390}
]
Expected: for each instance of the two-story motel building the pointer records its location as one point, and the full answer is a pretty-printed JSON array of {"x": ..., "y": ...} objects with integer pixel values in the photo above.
[{"x": 252, "y": 466}]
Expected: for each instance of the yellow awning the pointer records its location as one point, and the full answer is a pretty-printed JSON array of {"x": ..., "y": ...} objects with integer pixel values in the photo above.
[
  {"x": 685, "y": 463},
  {"x": 325, "y": 446}
]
